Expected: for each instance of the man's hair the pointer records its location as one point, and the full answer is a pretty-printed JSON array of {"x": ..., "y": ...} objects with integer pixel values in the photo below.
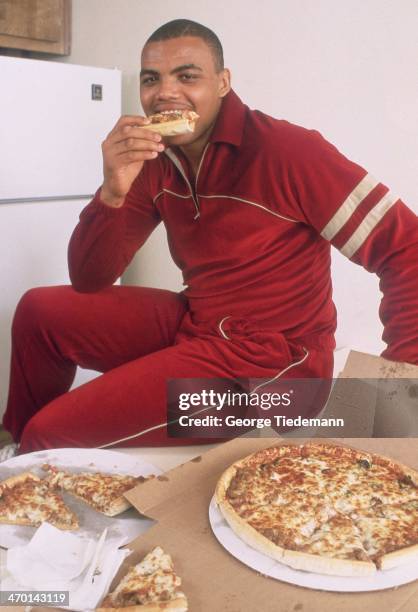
[{"x": 185, "y": 27}]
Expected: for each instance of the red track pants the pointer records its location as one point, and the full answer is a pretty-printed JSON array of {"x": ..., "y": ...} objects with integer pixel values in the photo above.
[{"x": 138, "y": 338}]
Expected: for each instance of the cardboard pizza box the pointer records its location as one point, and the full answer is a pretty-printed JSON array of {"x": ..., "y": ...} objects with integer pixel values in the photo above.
[
  {"x": 375, "y": 398},
  {"x": 215, "y": 580},
  {"x": 364, "y": 365},
  {"x": 396, "y": 412}
]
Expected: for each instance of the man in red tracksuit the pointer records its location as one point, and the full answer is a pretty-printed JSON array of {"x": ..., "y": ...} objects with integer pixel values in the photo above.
[{"x": 250, "y": 205}]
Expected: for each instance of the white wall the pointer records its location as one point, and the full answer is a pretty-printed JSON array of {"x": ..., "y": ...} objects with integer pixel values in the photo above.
[{"x": 348, "y": 69}]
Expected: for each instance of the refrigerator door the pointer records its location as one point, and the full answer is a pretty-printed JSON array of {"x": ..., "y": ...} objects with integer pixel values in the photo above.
[{"x": 54, "y": 117}]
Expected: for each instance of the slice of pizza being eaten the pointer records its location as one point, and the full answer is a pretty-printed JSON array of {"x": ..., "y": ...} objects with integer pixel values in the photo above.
[
  {"x": 102, "y": 492},
  {"x": 150, "y": 586},
  {"x": 25, "y": 499}
]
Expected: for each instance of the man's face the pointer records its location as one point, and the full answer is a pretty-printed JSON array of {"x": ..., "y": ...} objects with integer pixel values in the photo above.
[{"x": 180, "y": 73}]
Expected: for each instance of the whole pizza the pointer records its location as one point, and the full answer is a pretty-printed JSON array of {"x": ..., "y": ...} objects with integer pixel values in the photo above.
[{"x": 323, "y": 508}]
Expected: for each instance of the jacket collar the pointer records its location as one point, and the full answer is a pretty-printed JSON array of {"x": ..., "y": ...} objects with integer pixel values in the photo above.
[{"x": 229, "y": 125}]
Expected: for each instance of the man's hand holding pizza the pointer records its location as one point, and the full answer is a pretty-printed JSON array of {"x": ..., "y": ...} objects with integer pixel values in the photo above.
[{"x": 125, "y": 150}]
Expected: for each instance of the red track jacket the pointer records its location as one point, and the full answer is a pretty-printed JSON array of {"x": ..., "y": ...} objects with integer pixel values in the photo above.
[{"x": 252, "y": 232}]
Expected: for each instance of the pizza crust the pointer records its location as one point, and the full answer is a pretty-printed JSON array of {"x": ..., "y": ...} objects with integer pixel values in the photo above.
[
  {"x": 18, "y": 479},
  {"x": 327, "y": 565},
  {"x": 294, "y": 450},
  {"x": 26, "y": 522},
  {"x": 224, "y": 482},
  {"x": 399, "y": 557},
  {"x": 172, "y": 128},
  {"x": 175, "y": 605},
  {"x": 248, "y": 534},
  {"x": 117, "y": 506}
]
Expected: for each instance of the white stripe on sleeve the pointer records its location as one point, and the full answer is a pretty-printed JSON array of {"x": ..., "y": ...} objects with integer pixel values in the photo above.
[
  {"x": 366, "y": 185},
  {"x": 368, "y": 224}
]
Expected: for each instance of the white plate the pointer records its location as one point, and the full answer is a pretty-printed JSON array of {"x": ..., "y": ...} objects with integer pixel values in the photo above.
[
  {"x": 128, "y": 525},
  {"x": 263, "y": 564}
]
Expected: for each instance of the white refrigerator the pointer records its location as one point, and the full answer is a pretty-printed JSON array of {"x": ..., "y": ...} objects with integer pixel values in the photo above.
[{"x": 53, "y": 118}]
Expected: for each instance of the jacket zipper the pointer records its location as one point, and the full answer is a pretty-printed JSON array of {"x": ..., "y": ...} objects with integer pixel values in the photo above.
[
  {"x": 193, "y": 192},
  {"x": 197, "y": 177}
]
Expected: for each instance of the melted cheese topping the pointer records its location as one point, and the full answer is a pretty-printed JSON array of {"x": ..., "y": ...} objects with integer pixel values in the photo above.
[
  {"x": 173, "y": 115},
  {"x": 33, "y": 501},
  {"x": 152, "y": 580},
  {"x": 339, "y": 537},
  {"x": 97, "y": 489},
  {"x": 327, "y": 500}
]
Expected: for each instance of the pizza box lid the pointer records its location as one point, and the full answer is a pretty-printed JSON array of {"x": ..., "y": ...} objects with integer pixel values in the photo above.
[{"x": 375, "y": 397}]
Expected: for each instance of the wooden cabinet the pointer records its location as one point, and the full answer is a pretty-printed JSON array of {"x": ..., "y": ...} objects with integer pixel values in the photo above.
[{"x": 42, "y": 26}]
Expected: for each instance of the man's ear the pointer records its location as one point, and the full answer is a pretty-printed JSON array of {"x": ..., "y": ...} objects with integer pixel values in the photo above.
[{"x": 224, "y": 82}]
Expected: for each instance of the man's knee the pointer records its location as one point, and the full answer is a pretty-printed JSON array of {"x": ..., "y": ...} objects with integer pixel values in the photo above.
[
  {"x": 41, "y": 432},
  {"x": 33, "y": 436},
  {"x": 36, "y": 310}
]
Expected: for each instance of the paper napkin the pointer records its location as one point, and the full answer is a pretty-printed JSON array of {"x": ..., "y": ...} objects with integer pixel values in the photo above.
[{"x": 61, "y": 561}]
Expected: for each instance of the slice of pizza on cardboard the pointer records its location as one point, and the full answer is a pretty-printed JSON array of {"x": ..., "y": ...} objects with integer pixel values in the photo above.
[
  {"x": 150, "y": 586},
  {"x": 102, "y": 492}
]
